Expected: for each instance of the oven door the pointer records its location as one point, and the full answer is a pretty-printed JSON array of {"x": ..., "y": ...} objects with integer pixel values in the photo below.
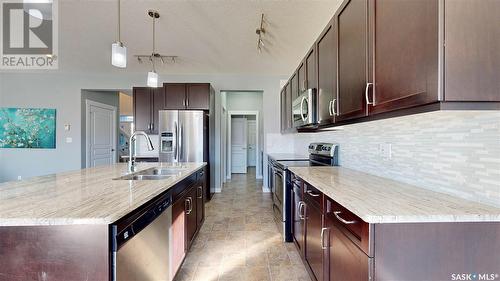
[{"x": 304, "y": 111}]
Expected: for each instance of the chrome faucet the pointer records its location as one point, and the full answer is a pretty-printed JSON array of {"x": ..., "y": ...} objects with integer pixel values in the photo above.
[{"x": 132, "y": 155}]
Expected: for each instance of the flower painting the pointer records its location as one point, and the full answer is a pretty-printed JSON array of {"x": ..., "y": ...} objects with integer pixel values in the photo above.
[{"x": 27, "y": 128}]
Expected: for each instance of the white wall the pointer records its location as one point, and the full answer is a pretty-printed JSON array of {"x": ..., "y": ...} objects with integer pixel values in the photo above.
[{"x": 63, "y": 92}]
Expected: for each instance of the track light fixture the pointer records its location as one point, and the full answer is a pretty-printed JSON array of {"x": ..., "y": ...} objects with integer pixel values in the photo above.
[{"x": 260, "y": 31}]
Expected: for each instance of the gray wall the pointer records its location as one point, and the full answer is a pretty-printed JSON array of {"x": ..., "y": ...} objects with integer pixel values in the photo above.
[
  {"x": 63, "y": 92},
  {"x": 106, "y": 97}
]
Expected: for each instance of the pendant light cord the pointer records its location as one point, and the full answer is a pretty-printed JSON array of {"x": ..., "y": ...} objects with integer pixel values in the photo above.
[
  {"x": 154, "y": 39},
  {"x": 119, "y": 21}
]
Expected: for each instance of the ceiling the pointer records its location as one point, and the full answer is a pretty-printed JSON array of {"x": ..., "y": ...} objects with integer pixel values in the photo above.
[{"x": 209, "y": 36}]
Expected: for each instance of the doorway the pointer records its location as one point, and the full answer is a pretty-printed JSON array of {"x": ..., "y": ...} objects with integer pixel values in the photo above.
[{"x": 242, "y": 141}]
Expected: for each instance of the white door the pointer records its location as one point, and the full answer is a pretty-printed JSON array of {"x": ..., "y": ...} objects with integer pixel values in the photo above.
[
  {"x": 252, "y": 134},
  {"x": 101, "y": 134},
  {"x": 239, "y": 145}
]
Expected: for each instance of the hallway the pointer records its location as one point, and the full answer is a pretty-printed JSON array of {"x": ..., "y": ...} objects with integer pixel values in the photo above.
[{"x": 239, "y": 239}]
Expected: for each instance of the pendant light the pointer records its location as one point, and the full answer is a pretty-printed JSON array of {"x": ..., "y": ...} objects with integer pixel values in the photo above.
[
  {"x": 118, "y": 50},
  {"x": 152, "y": 75}
]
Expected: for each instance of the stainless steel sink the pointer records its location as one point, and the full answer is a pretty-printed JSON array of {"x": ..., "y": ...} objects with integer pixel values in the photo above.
[{"x": 156, "y": 173}]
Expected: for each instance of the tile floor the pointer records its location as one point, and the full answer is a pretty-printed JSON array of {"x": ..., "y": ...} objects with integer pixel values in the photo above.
[{"x": 239, "y": 239}]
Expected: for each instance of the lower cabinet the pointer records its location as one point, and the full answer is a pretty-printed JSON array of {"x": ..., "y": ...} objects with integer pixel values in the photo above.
[
  {"x": 313, "y": 232},
  {"x": 188, "y": 214},
  {"x": 345, "y": 261},
  {"x": 297, "y": 215}
]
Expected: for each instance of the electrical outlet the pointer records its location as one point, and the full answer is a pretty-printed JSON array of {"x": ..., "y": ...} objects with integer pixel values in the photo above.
[
  {"x": 69, "y": 140},
  {"x": 19, "y": 178},
  {"x": 385, "y": 151}
]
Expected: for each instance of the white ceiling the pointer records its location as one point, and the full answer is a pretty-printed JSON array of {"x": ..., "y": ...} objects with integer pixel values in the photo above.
[{"x": 209, "y": 36}]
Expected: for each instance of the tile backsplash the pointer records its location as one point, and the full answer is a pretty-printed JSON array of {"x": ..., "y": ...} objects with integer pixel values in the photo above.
[{"x": 455, "y": 152}]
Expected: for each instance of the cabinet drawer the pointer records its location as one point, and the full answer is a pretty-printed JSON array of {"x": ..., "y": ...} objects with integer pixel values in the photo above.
[
  {"x": 353, "y": 227},
  {"x": 313, "y": 195}
]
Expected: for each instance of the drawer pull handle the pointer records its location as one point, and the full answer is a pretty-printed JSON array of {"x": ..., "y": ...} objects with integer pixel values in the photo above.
[
  {"x": 312, "y": 194},
  {"x": 337, "y": 215},
  {"x": 301, "y": 210}
]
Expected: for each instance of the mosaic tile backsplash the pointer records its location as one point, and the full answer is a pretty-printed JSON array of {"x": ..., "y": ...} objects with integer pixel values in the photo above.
[{"x": 455, "y": 152}]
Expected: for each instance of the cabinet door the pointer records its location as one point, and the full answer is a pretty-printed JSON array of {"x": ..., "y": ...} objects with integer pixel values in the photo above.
[
  {"x": 327, "y": 75},
  {"x": 190, "y": 209},
  {"x": 294, "y": 86},
  {"x": 200, "y": 202},
  {"x": 157, "y": 104},
  {"x": 283, "y": 120},
  {"x": 313, "y": 246},
  {"x": 406, "y": 53},
  {"x": 472, "y": 56},
  {"x": 198, "y": 96},
  {"x": 288, "y": 106},
  {"x": 352, "y": 59},
  {"x": 301, "y": 79},
  {"x": 310, "y": 65},
  {"x": 142, "y": 109},
  {"x": 345, "y": 260},
  {"x": 178, "y": 234},
  {"x": 175, "y": 95},
  {"x": 298, "y": 222}
]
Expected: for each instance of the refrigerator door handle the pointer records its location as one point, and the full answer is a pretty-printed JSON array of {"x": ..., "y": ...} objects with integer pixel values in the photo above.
[
  {"x": 180, "y": 143},
  {"x": 176, "y": 141}
]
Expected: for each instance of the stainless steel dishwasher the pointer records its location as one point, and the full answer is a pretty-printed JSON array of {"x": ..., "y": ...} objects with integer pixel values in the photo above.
[{"x": 141, "y": 244}]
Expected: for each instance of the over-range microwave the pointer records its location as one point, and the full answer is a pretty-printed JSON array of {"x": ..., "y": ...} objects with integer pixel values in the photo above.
[{"x": 305, "y": 109}]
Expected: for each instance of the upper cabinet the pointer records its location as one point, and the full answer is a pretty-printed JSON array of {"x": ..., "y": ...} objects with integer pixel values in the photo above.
[
  {"x": 187, "y": 96},
  {"x": 327, "y": 74},
  {"x": 381, "y": 56},
  {"x": 404, "y": 44},
  {"x": 472, "y": 56},
  {"x": 147, "y": 103},
  {"x": 352, "y": 60}
]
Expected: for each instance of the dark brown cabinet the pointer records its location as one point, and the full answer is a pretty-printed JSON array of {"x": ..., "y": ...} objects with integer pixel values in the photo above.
[
  {"x": 191, "y": 218},
  {"x": 345, "y": 260},
  {"x": 283, "y": 121},
  {"x": 313, "y": 230},
  {"x": 472, "y": 57},
  {"x": 147, "y": 103},
  {"x": 301, "y": 79},
  {"x": 294, "y": 86},
  {"x": 405, "y": 48},
  {"x": 194, "y": 96},
  {"x": 310, "y": 69},
  {"x": 352, "y": 60},
  {"x": 326, "y": 49},
  {"x": 200, "y": 198},
  {"x": 298, "y": 215},
  {"x": 288, "y": 106},
  {"x": 178, "y": 228}
]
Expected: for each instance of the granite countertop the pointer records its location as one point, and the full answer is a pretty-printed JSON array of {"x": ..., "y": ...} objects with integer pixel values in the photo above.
[
  {"x": 380, "y": 200},
  {"x": 88, "y": 196},
  {"x": 287, "y": 156},
  {"x": 140, "y": 156}
]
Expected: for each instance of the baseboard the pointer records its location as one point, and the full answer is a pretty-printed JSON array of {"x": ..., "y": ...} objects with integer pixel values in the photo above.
[
  {"x": 265, "y": 189},
  {"x": 259, "y": 177}
]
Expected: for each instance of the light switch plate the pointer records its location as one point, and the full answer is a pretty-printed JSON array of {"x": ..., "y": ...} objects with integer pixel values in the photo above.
[{"x": 69, "y": 140}]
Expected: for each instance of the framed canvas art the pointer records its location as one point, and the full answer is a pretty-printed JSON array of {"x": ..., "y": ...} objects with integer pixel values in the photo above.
[{"x": 27, "y": 128}]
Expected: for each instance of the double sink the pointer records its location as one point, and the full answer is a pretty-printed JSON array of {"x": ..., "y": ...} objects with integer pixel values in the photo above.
[{"x": 155, "y": 173}]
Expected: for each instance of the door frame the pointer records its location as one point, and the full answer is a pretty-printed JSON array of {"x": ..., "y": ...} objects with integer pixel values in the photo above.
[
  {"x": 88, "y": 104},
  {"x": 258, "y": 166}
]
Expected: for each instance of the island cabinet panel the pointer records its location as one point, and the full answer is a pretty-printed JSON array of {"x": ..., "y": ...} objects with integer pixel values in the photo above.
[
  {"x": 175, "y": 95},
  {"x": 472, "y": 57},
  {"x": 69, "y": 252},
  {"x": 191, "y": 217},
  {"x": 200, "y": 198},
  {"x": 434, "y": 251},
  {"x": 405, "y": 54},
  {"x": 178, "y": 234},
  {"x": 327, "y": 74},
  {"x": 352, "y": 59}
]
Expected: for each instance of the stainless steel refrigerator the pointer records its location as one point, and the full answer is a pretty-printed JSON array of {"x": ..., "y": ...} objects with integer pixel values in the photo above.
[{"x": 184, "y": 137}]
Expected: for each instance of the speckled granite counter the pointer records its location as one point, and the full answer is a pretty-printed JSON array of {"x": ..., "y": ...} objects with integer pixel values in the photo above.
[
  {"x": 380, "y": 200},
  {"x": 88, "y": 196}
]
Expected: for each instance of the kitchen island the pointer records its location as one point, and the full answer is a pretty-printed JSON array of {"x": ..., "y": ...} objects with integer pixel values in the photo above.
[{"x": 65, "y": 226}]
